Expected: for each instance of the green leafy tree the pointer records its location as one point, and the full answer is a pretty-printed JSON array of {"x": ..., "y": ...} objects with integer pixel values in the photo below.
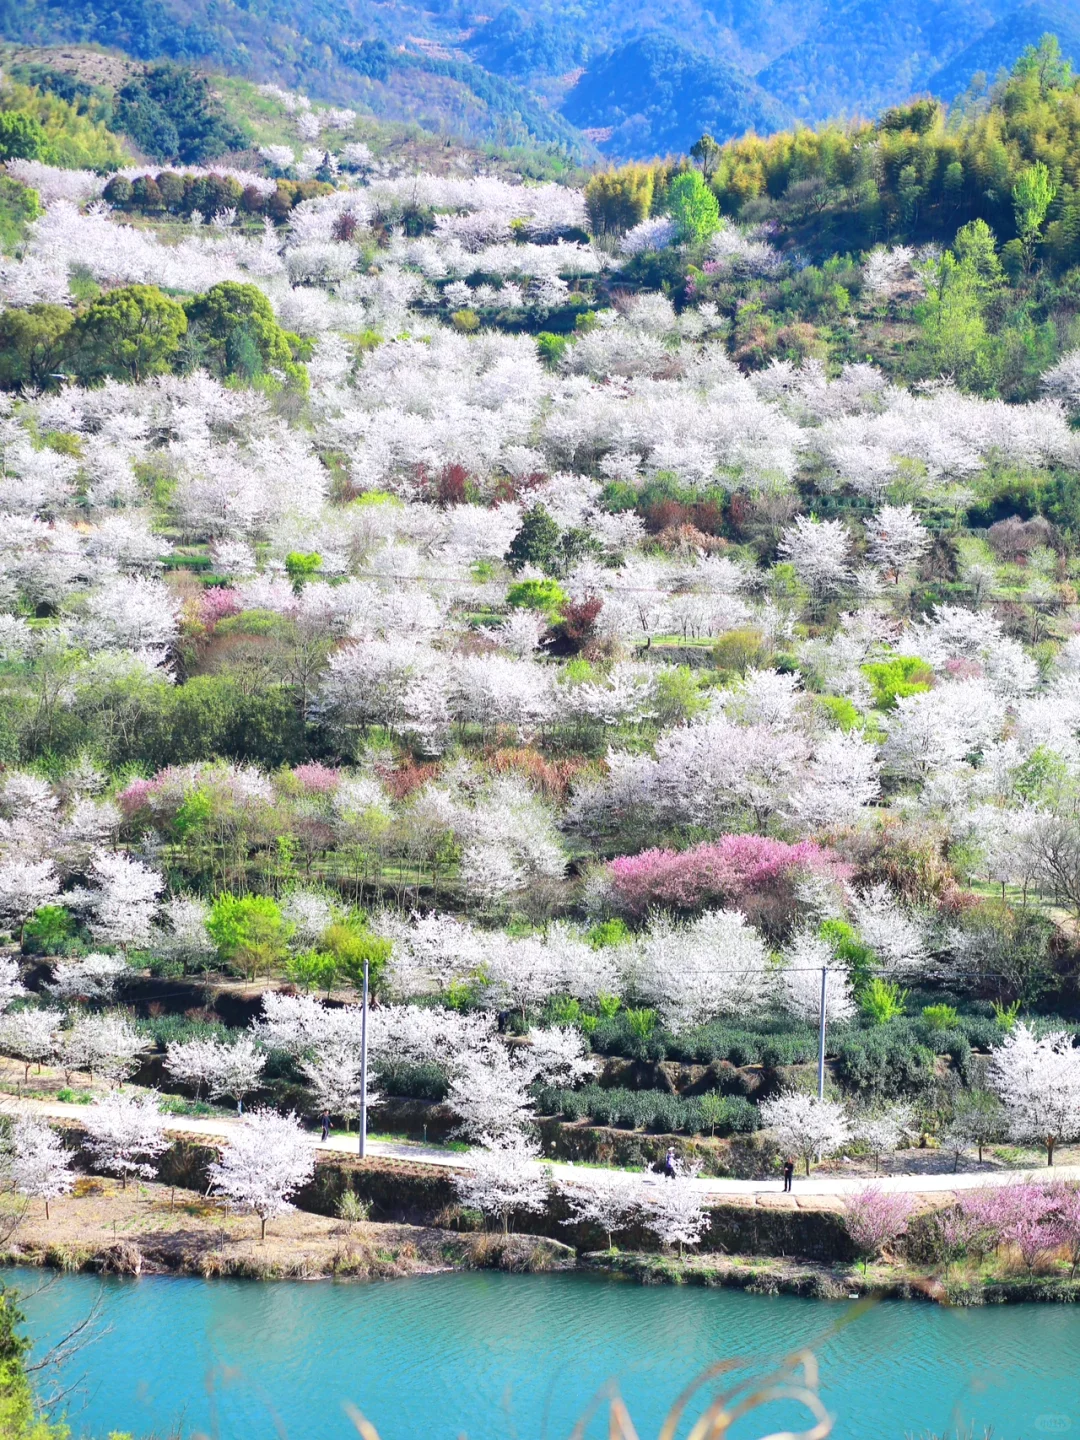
[
  {"x": 249, "y": 930},
  {"x": 536, "y": 543},
  {"x": 33, "y": 344},
  {"x": 313, "y": 970},
  {"x": 882, "y": 1001},
  {"x": 707, "y": 153},
  {"x": 617, "y": 200},
  {"x": 940, "y": 1017},
  {"x": 43, "y": 126},
  {"x": 236, "y": 330},
  {"x": 300, "y": 567},
  {"x": 22, "y": 136},
  {"x": 1046, "y": 64},
  {"x": 172, "y": 113},
  {"x": 896, "y": 678},
  {"x": 350, "y": 945},
  {"x": 47, "y": 930},
  {"x": 18, "y": 206},
  {"x": 1032, "y": 196},
  {"x": 242, "y": 357},
  {"x": 693, "y": 207},
  {"x": 960, "y": 285},
  {"x": 551, "y": 348},
  {"x": 129, "y": 333},
  {"x": 546, "y": 596},
  {"x": 17, "y": 1418}
]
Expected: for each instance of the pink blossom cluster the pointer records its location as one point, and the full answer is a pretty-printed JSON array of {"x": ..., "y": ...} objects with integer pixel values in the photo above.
[
  {"x": 876, "y": 1218},
  {"x": 218, "y": 603},
  {"x": 316, "y": 778},
  {"x": 730, "y": 870},
  {"x": 165, "y": 791},
  {"x": 162, "y": 796},
  {"x": 136, "y": 796},
  {"x": 1036, "y": 1219}
]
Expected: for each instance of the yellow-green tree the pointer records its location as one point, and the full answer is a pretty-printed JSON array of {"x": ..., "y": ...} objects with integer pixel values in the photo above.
[
  {"x": 129, "y": 333},
  {"x": 33, "y": 343},
  {"x": 17, "y": 1418},
  {"x": 237, "y": 330},
  {"x": 617, "y": 200}
]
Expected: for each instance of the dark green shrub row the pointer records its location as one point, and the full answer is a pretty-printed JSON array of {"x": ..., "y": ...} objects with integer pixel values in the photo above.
[
  {"x": 771, "y": 1044},
  {"x": 415, "y": 1082},
  {"x": 888, "y": 1060},
  {"x": 651, "y": 1110},
  {"x": 172, "y": 1029}
]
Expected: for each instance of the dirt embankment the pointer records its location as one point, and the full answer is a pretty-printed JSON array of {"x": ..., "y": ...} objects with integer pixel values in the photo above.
[{"x": 152, "y": 1229}]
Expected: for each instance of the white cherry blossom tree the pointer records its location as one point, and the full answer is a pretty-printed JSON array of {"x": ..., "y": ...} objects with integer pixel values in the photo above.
[
  {"x": 806, "y": 1126},
  {"x": 105, "y": 1045},
  {"x": 489, "y": 1093},
  {"x": 1038, "y": 1081},
  {"x": 39, "y": 1164},
  {"x": 125, "y": 1134},
  {"x": 32, "y": 1036},
  {"x": 897, "y": 538},
  {"x": 25, "y": 886},
  {"x": 611, "y": 1200},
  {"x": 676, "y": 1212},
  {"x": 266, "y": 1160},
  {"x": 504, "y": 1179},
  {"x": 560, "y": 1055}
]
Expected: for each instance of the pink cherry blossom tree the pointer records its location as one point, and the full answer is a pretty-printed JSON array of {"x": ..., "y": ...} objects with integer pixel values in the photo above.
[{"x": 876, "y": 1218}]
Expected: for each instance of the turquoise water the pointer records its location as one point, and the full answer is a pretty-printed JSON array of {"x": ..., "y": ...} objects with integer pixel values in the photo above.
[{"x": 492, "y": 1356}]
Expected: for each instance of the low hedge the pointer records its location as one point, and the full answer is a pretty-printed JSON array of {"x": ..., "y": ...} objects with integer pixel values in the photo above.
[
  {"x": 771, "y": 1043},
  {"x": 651, "y": 1110},
  {"x": 427, "y": 1081}
]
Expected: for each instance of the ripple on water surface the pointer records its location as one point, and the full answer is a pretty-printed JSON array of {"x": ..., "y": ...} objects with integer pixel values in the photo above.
[{"x": 493, "y": 1356}]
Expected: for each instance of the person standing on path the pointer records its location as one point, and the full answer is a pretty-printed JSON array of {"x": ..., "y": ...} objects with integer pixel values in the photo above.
[
  {"x": 669, "y": 1163},
  {"x": 325, "y": 1126},
  {"x": 789, "y": 1174}
]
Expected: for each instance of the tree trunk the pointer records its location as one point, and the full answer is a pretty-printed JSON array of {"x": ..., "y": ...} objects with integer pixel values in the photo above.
[
  {"x": 1051, "y": 1140},
  {"x": 46, "y": 1209},
  {"x": 262, "y": 1230}
]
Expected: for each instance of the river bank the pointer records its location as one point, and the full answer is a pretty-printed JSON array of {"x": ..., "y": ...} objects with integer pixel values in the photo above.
[{"x": 154, "y": 1229}]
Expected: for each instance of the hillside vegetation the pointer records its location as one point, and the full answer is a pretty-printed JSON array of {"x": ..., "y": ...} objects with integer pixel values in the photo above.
[{"x": 591, "y": 607}]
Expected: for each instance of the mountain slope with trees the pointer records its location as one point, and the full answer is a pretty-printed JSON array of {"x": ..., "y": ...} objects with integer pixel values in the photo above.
[
  {"x": 585, "y": 609},
  {"x": 656, "y": 97},
  {"x": 541, "y": 73}
]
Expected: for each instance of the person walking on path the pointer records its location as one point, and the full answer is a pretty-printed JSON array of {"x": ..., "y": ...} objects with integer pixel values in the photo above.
[
  {"x": 789, "y": 1174},
  {"x": 325, "y": 1126},
  {"x": 669, "y": 1163}
]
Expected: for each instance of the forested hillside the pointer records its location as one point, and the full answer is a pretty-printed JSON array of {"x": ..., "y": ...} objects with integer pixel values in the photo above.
[
  {"x": 595, "y": 605},
  {"x": 640, "y": 84}
]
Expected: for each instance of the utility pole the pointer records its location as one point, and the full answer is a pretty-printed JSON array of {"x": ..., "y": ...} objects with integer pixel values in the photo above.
[
  {"x": 821, "y": 1035},
  {"x": 363, "y": 1068}
]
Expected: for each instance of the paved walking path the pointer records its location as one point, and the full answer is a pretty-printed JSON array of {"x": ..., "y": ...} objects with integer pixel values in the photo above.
[{"x": 814, "y": 1187}]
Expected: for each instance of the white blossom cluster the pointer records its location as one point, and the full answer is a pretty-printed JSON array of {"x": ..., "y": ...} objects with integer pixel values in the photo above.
[{"x": 409, "y": 468}]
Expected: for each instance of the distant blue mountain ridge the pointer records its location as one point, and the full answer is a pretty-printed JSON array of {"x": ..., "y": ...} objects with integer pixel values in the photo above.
[{"x": 604, "y": 74}]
